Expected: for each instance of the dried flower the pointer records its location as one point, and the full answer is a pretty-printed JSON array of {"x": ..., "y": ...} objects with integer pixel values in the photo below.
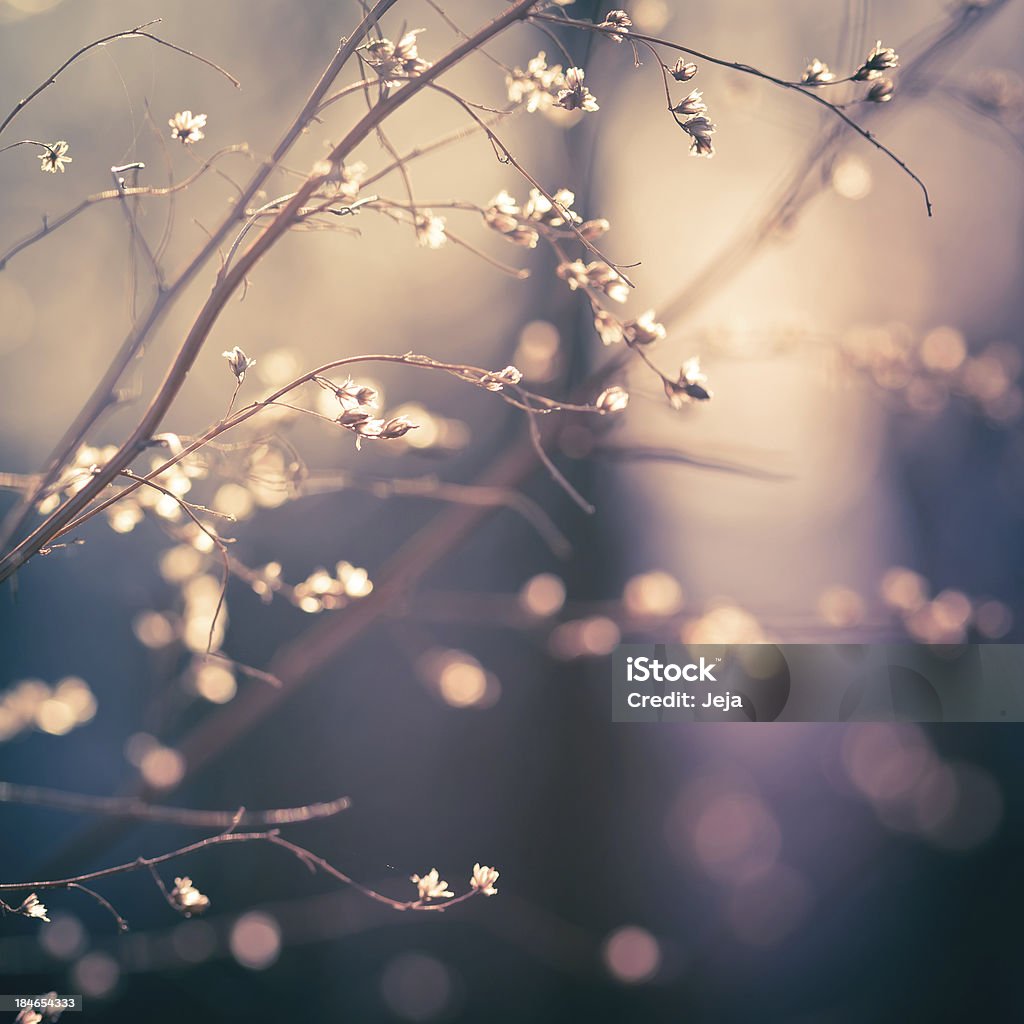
[
  {"x": 366, "y": 426},
  {"x": 537, "y": 86},
  {"x": 880, "y": 59},
  {"x": 612, "y": 400},
  {"x": 187, "y": 127},
  {"x": 691, "y": 106},
  {"x": 617, "y": 22},
  {"x": 397, "y": 426},
  {"x": 575, "y": 95},
  {"x": 595, "y": 228},
  {"x": 497, "y": 381},
  {"x": 350, "y": 394},
  {"x": 484, "y": 878},
  {"x": 598, "y": 276},
  {"x": 238, "y": 362},
  {"x": 538, "y": 207},
  {"x": 344, "y": 180},
  {"x": 644, "y": 330},
  {"x": 683, "y": 70},
  {"x": 187, "y": 898},
  {"x": 28, "y": 1016},
  {"x": 395, "y": 62},
  {"x": 608, "y": 327},
  {"x": 430, "y": 231},
  {"x": 690, "y": 385},
  {"x": 700, "y": 130},
  {"x": 31, "y": 907},
  {"x": 817, "y": 73},
  {"x": 881, "y": 91},
  {"x": 54, "y": 158},
  {"x": 431, "y": 886},
  {"x": 502, "y": 214}
]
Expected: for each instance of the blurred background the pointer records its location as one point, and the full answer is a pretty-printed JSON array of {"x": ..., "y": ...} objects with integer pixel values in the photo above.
[{"x": 855, "y": 478}]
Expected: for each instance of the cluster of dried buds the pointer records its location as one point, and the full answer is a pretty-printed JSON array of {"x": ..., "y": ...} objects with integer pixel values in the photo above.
[
  {"x": 878, "y": 61},
  {"x": 691, "y": 112},
  {"x": 396, "y": 62},
  {"x": 358, "y": 403},
  {"x": 432, "y": 887}
]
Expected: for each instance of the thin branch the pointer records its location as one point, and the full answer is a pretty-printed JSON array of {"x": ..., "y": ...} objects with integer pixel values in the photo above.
[
  {"x": 747, "y": 69},
  {"x": 133, "y": 33},
  {"x": 139, "y": 810}
]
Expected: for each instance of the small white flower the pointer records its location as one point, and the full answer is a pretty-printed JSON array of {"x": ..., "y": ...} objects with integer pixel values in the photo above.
[
  {"x": 484, "y": 878},
  {"x": 817, "y": 73},
  {"x": 691, "y": 105},
  {"x": 598, "y": 276},
  {"x": 187, "y": 898},
  {"x": 187, "y": 127},
  {"x": 397, "y": 426},
  {"x": 700, "y": 130},
  {"x": 497, "y": 381},
  {"x": 502, "y": 214},
  {"x": 644, "y": 330},
  {"x": 880, "y": 59},
  {"x": 431, "y": 886},
  {"x": 881, "y": 91},
  {"x": 55, "y": 157},
  {"x": 31, "y": 907},
  {"x": 608, "y": 328},
  {"x": 683, "y": 70},
  {"x": 537, "y": 86},
  {"x": 612, "y": 400},
  {"x": 352, "y": 395},
  {"x": 395, "y": 62},
  {"x": 575, "y": 95},
  {"x": 557, "y": 214},
  {"x": 690, "y": 385},
  {"x": 238, "y": 362},
  {"x": 430, "y": 232},
  {"x": 617, "y": 22}
]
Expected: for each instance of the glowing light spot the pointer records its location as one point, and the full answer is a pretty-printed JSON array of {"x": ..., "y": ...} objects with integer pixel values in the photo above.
[
  {"x": 179, "y": 563},
  {"x": 653, "y": 593},
  {"x": 725, "y": 624},
  {"x": 736, "y": 837},
  {"x": 64, "y": 939},
  {"x": 632, "y": 955},
  {"x": 943, "y": 349},
  {"x": 162, "y": 767},
  {"x": 278, "y": 366},
  {"x": 851, "y": 178},
  {"x": 463, "y": 682},
  {"x": 75, "y": 693},
  {"x": 96, "y": 975},
  {"x": 215, "y": 682},
  {"x": 903, "y": 589},
  {"x": 993, "y": 619},
  {"x": 543, "y": 595},
  {"x": 416, "y": 987},
  {"x": 194, "y": 941},
  {"x": 234, "y": 500},
  {"x": 840, "y": 607},
  {"x": 537, "y": 352},
  {"x": 153, "y": 630},
  {"x": 55, "y": 717},
  {"x": 650, "y": 16},
  {"x": 124, "y": 518},
  {"x": 256, "y": 941}
]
